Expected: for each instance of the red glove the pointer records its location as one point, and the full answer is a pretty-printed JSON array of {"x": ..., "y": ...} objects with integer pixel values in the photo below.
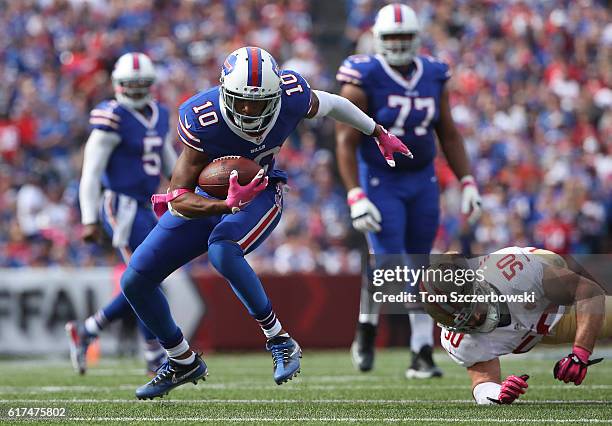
[
  {"x": 390, "y": 144},
  {"x": 239, "y": 196},
  {"x": 511, "y": 389},
  {"x": 573, "y": 368}
]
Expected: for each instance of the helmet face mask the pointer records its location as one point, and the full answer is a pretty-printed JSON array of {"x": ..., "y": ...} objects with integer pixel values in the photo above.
[
  {"x": 263, "y": 108},
  {"x": 136, "y": 90},
  {"x": 396, "y": 34},
  {"x": 250, "y": 89},
  {"x": 460, "y": 317},
  {"x": 133, "y": 77},
  {"x": 476, "y": 317}
]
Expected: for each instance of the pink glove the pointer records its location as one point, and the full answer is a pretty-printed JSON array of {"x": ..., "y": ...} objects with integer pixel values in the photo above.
[
  {"x": 390, "y": 144},
  {"x": 160, "y": 201},
  {"x": 239, "y": 196},
  {"x": 573, "y": 368},
  {"x": 512, "y": 388}
]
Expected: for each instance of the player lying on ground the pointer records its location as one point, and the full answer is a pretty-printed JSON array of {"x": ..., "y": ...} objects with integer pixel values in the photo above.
[
  {"x": 398, "y": 209},
  {"x": 253, "y": 111},
  {"x": 567, "y": 308},
  {"x": 127, "y": 150}
]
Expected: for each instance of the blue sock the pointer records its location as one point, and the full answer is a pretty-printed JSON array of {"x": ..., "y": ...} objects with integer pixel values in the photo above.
[
  {"x": 118, "y": 308},
  {"x": 227, "y": 258},
  {"x": 151, "y": 306},
  {"x": 144, "y": 330}
]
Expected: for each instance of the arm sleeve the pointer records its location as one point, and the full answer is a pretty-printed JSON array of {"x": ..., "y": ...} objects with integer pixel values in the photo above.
[
  {"x": 343, "y": 110},
  {"x": 98, "y": 150},
  {"x": 169, "y": 156}
]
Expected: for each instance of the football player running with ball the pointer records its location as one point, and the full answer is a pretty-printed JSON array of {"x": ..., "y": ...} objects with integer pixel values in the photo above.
[
  {"x": 253, "y": 111},
  {"x": 128, "y": 149},
  {"x": 398, "y": 208},
  {"x": 559, "y": 306}
]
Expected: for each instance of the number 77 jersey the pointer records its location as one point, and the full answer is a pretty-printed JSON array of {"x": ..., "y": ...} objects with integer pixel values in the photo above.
[
  {"x": 205, "y": 126},
  {"x": 408, "y": 106}
]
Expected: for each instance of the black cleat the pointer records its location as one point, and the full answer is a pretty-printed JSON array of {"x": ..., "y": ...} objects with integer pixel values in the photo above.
[
  {"x": 423, "y": 365},
  {"x": 171, "y": 375},
  {"x": 362, "y": 349}
]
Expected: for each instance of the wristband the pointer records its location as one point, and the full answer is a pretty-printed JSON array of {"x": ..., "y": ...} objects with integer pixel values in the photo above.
[
  {"x": 161, "y": 202},
  {"x": 355, "y": 195},
  {"x": 582, "y": 353},
  {"x": 467, "y": 180}
]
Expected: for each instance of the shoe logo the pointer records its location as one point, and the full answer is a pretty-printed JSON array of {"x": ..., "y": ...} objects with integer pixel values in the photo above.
[
  {"x": 187, "y": 125},
  {"x": 176, "y": 379},
  {"x": 295, "y": 350}
]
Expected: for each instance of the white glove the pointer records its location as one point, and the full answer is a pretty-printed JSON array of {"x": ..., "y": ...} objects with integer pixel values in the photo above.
[
  {"x": 470, "y": 199},
  {"x": 365, "y": 215}
]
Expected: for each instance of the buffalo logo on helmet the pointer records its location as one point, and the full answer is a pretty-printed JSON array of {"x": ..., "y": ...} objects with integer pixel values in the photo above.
[{"x": 228, "y": 64}]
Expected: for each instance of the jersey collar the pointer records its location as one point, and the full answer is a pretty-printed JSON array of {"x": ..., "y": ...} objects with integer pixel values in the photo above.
[
  {"x": 256, "y": 140},
  {"x": 398, "y": 78},
  {"x": 148, "y": 123}
]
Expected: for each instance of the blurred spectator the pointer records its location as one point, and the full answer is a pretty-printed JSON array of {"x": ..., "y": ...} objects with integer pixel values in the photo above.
[{"x": 531, "y": 92}]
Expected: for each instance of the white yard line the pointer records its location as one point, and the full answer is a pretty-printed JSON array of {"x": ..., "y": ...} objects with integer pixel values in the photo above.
[
  {"x": 221, "y": 386},
  {"x": 291, "y": 401},
  {"x": 329, "y": 419}
]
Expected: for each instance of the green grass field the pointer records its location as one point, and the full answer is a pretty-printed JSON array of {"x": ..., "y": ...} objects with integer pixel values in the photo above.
[{"x": 240, "y": 389}]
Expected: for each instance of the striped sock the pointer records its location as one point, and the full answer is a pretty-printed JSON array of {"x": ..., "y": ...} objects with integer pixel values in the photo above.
[
  {"x": 269, "y": 324},
  {"x": 96, "y": 323}
]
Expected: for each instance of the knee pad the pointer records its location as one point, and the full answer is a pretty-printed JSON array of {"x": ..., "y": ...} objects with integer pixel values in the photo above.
[{"x": 220, "y": 253}]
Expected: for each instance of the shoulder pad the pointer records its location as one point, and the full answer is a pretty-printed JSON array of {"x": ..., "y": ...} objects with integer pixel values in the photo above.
[
  {"x": 295, "y": 92},
  {"x": 106, "y": 116},
  {"x": 355, "y": 69},
  {"x": 198, "y": 119},
  {"x": 465, "y": 349},
  {"x": 438, "y": 69}
]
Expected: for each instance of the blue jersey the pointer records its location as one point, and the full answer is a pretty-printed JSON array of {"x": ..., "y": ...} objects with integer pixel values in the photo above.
[
  {"x": 135, "y": 165},
  {"x": 408, "y": 108},
  {"x": 205, "y": 126}
]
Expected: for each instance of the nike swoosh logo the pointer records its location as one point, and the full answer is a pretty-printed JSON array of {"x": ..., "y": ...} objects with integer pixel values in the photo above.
[
  {"x": 295, "y": 350},
  {"x": 240, "y": 203},
  {"x": 187, "y": 125},
  {"x": 176, "y": 379}
]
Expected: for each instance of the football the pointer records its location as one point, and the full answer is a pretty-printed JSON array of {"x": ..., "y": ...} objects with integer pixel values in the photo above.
[{"x": 214, "y": 178}]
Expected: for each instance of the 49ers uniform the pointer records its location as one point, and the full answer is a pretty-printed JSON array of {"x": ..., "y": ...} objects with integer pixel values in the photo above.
[{"x": 510, "y": 271}]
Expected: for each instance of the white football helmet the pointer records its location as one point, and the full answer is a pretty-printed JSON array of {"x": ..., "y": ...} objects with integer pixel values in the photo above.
[
  {"x": 396, "y": 19},
  {"x": 133, "y": 76},
  {"x": 250, "y": 74}
]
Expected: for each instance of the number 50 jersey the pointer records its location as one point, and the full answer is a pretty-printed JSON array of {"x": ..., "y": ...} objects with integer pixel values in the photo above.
[
  {"x": 511, "y": 271},
  {"x": 205, "y": 126},
  {"x": 407, "y": 107}
]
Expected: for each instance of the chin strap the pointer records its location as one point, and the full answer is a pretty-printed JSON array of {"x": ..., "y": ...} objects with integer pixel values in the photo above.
[{"x": 161, "y": 201}]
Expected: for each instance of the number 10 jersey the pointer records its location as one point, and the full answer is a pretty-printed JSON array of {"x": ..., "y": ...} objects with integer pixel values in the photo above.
[{"x": 205, "y": 125}]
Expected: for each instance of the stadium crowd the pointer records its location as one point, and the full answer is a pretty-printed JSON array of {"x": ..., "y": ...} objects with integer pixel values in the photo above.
[{"x": 531, "y": 93}]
